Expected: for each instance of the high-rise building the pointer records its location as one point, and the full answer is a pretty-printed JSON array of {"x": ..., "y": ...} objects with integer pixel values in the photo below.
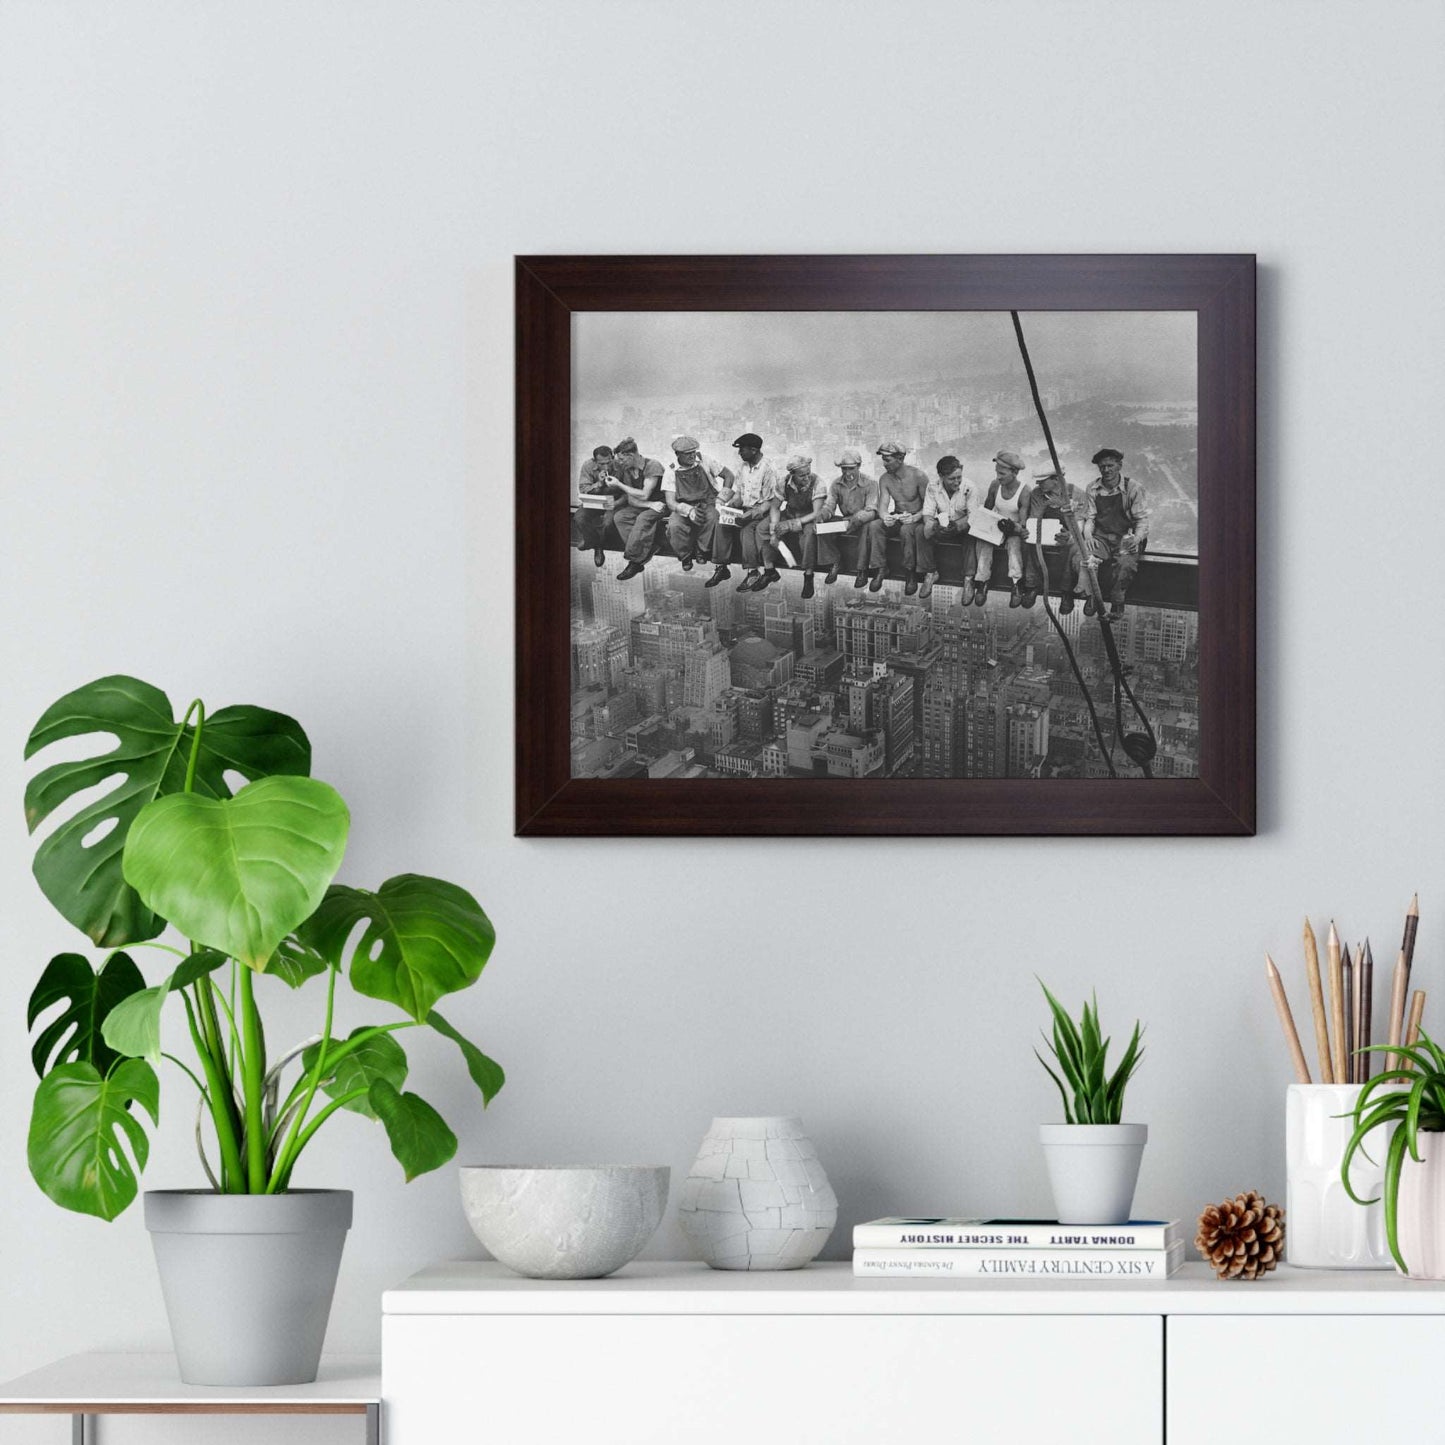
[
  {"x": 869, "y": 632},
  {"x": 755, "y": 716},
  {"x": 803, "y": 734},
  {"x": 617, "y": 603},
  {"x": 599, "y": 654},
  {"x": 821, "y": 669},
  {"x": 705, "y": 674},
  {"x": 942, "y": 735},
  {"x": 980, "y": 747},
  {"x": 787, "y": 629},
  {"x": 882, "y": 701},
  {"x": 1027, "y": 738}
]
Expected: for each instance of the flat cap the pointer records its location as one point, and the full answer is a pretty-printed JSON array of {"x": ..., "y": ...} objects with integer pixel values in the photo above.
[
  {"x": 1104, "y": 453},
  {"x": 686, "y": 444},
  {"x": 749, "y": 439},
  {"x": 892, "y": 449},
  {"x": 849, "y": 457},
  {"x": 1010, "y": 459}
]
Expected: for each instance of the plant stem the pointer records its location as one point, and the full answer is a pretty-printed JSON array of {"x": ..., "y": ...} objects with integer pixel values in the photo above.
[
  {"x": 222, "y": 1105},
  {"x": 314, "y": 1125},
  {"x": 253, "y": 1080},
  {"x": 316, "y": 1073},
  {"x": 198, "y": 708},
  {"x": 189, "y": 1073}
]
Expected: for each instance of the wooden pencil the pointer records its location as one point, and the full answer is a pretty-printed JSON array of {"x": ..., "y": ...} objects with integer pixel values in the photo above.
[
  {"x": 1417, "y": 1015},
  {"x": 1407, "y": 943},
  {"x": 1286, "y": 1022},
  {"x": 1397, "y": 1010},
  {"x": 1367, "y": 1011},
  {"x": 1338, "y": 1042},
  {"x": 1317, "y": 1004},
  {"x": 1347, "y": 988}
]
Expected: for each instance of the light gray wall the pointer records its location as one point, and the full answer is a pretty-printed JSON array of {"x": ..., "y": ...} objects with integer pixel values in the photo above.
[{"x": 256, "y": 391}]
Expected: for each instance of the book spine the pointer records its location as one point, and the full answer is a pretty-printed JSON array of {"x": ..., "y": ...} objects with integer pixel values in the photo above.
[
  {"x": 1017, "y": 1264},
  {"x": 1015, "y": 1236}
]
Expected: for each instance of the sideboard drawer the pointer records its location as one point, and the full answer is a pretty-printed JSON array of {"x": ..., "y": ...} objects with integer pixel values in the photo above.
[
  {"x": 772, "y": 1380},
  {"x": 1324, "y": 1379}
]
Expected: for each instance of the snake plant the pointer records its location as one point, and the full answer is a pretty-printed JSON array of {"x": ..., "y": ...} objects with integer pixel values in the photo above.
[{"x": 1093, "y": 1096}]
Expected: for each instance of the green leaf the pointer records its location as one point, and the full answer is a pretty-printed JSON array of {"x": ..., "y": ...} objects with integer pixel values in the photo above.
[
  {"x": 133, "y": 1028},
  {"x": 419, "y": 1135},
  {"x": 294, "y": 962},
  {"x": 423, "y": 939},
  {"x": 239, "y": 874},
  {"x": 79, "y": 1129},
  {"x": 379, "y": 1057},
  {"x": 486, "y": 1073},
  {"x": 86, "y": 884},
  {"x": 75, "y": 1036}
]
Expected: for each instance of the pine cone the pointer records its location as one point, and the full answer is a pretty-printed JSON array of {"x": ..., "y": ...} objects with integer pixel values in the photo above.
[{"x": 1243, "y": 1237}]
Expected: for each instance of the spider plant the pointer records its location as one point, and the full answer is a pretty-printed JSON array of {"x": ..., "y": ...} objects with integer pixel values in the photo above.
[
  {"x": 1410, "y": 1096},
  {"x": 1082, "y": 1053}
]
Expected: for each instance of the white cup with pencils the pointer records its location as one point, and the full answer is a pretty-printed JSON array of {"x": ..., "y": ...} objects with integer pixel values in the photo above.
[{"x": 1326, "y": 1229}]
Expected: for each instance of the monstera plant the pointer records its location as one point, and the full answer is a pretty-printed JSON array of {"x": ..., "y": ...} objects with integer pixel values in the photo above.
[{"x": 213, "y": 827}]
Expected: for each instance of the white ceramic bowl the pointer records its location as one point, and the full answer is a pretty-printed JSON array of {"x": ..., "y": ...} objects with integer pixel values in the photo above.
[{"x": 562, "y": 1222}]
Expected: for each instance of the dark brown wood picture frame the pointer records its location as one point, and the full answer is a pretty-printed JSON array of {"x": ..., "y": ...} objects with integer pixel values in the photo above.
[{"x": 1219, "y": 288}]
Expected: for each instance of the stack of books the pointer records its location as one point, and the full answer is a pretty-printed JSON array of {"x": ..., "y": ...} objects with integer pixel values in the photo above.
[{"x": 1016, "y": 1249}]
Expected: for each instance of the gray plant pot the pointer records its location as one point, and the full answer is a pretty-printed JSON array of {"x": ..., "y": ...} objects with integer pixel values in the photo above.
[{"x": 248, "y": 1280}]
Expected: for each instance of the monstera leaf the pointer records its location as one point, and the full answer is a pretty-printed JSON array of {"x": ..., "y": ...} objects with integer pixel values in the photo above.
[
  {"x": 295, "y": 961},
  {"x": 238, "y": 874},
  {"x": 486, "y": 1073},
  {"x": 133, "y": 1027},
  {"x": 380, "y": 1057},
  {"x": 74, "y": 1036},
  {"x": 423, "y": 939},
  {"x": 419, "y": 1135},
  {"x": 79, "y": 1127},
  {"x": 78, "y": 866}
]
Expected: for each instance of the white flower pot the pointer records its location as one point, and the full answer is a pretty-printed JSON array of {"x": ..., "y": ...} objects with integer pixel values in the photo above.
[
  {"x": 1093, "y": 1169},
  {"x": 757, "y": 1197},
  {"x": 1421, "y": 1222},
  {"x": 1324, "y": 1227}
]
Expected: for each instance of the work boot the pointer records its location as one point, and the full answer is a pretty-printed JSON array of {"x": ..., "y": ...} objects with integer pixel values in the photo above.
[
  {"x": 876, "y": 585},
  {"x": 750, "y": 581},
  {"x": 1014, "y": 599},
  {"x": 721, "y": 575},
  {"x": 629, "y": 571},
  {"x": 686, "y": 562},
  {"x": 807, "y": 585},
  {"x": 1066, "y": 603},
  {"x": 1030, "y": 596},
  {"x": 968, "y": 591},
  {"x": 1089, "y": 609},
  {"x": 832, "y": 576},
  {"x": 767, "y": 579},
  {"x": 861, "y": 580},
  {"x": 980, "y": 595},
  {"x": 926, "y": 590},
  {"x": 911, "y": 586},
  {"x": 1116, "y": 606},
  {"x": 599, "y": 557}
]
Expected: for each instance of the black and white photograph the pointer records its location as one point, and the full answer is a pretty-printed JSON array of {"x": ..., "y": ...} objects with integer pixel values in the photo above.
[{"x": 885, "y": 545}]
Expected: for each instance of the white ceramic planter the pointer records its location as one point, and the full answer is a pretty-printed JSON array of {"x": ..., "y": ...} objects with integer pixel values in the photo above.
[
  {"x": 248, "y": 1280},
  {"x": 1093, "y": 1169},
  {"x": 757, "y": 1197},
  {"x": 1421, "y": 1222},
  {"x": 564, "y": 1223},
  {"x": 1324, "y": 1227}
]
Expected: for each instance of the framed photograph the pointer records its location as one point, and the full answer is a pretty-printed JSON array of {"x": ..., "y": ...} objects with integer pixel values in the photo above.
[{"x": 885, "y": 545}]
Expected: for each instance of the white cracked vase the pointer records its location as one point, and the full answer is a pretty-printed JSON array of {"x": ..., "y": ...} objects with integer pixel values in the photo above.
[{"x": 757, "y": 1197}]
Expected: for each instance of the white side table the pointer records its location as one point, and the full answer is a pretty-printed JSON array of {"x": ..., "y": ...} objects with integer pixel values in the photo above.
[{"x": 84, "y": 1386}]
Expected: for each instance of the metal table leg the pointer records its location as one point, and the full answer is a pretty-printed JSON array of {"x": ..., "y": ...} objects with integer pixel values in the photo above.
[
  {"x": 373, "y": 1425},
  {"x": 80, "y": 1430}
]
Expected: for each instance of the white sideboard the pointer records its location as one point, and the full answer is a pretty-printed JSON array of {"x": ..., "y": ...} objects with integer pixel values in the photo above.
[{"x": 677, "y": 1354}]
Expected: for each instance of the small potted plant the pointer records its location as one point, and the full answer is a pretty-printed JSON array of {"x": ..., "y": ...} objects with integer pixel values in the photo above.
[
  {"x": 1093, "y": 1158},
  {"x": 163, "y": 837},
  {"x": 1407, "y": 1101}
]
